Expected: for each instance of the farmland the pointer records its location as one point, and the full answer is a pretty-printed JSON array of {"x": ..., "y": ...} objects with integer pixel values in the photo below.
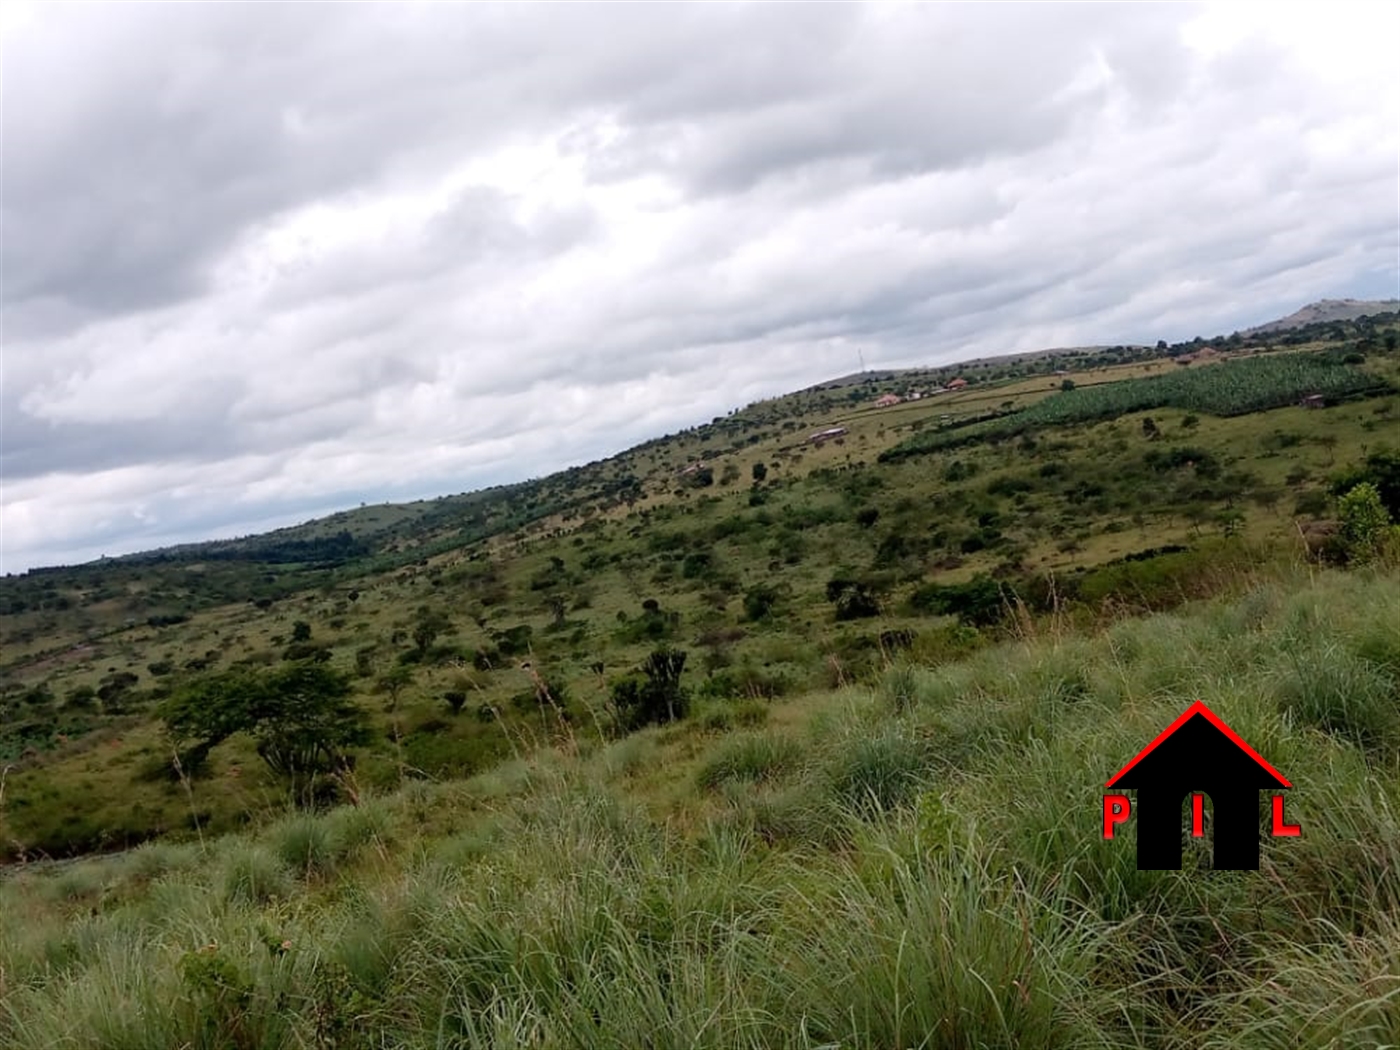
[{"x": 1230, "y": 388}]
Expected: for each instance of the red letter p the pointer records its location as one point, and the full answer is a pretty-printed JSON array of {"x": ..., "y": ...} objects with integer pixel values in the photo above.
[{"x": 1116, "y": 810}]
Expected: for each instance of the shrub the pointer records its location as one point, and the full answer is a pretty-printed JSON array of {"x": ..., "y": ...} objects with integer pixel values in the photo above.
[
  {"x": 252, "y": 875},
  {"x": 655, "y": 695},
  {"x": 854, "y": 599},
  {"x": 759, "y": 601},
  {"x": 750, "y": 758},
  {"x": 880, "y": 771},
  {"x": 977, "y": 603}
]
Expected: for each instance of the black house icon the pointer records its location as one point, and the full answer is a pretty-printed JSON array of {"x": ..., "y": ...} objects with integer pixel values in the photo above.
[{"x": 1198, "y": 753}]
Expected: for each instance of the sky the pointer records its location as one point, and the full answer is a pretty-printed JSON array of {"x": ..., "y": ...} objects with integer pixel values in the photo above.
[{"x": 263, "y": 262}]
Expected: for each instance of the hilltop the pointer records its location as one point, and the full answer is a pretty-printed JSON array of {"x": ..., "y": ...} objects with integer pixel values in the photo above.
[{"x": 1325, "y": 311}]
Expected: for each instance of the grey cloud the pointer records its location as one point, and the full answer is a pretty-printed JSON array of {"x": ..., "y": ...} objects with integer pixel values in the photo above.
[{"x": 188, "y": 346}]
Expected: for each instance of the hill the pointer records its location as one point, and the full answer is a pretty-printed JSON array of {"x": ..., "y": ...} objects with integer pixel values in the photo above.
[
  {"x": 913, "y": 862},
  {"x": 793, "y": 545},
  {"x": 1325, "y": 311}
]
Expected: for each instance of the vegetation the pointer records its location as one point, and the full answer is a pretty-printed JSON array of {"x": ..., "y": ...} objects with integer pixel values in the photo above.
[
  {"x": 916, "y": 863},
  {"x": 1231, "y": 388},
  {"x": 767, "y": 733}
]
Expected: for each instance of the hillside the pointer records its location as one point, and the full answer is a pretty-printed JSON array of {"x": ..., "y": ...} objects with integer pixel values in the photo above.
[
  {"x": 913, "y": 862},
  {"x": 771, "y": 560},
  {"x": 1326, "y": 311},
  {"x": 789, "y": 730}
]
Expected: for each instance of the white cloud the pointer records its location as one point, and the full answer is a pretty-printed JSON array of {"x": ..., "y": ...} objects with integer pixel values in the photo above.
[{"x": 331, "y": 254}]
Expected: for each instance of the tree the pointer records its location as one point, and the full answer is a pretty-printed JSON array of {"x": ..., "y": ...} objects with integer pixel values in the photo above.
[
  {"x": 301, "y": 631},
  {"x": 1365, "y": 523},
  {"x": 654, "y": 696},
  {"x": 427, "y": 629},
  {"x": 760, "y": 472},
  {"x": 1067, "y": 385},
  {"x": 759, "y": 601},
  {"x": 311, "y": 722},
  {"x": 395, "y": 681},
  {"x": 300, "y": 716},
  {"x": 1149, "y": 429}
]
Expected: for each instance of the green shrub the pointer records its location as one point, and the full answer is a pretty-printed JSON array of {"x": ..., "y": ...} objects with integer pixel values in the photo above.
[
  {"x": 879, "y": 771},
  {"x": 750, "y": 758},
  {"x": 1342, "y": 694},
  {"x": 252, "y": 875}
]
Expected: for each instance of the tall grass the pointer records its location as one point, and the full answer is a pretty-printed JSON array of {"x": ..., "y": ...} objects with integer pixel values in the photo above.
[{"x": 919, "y": 865}]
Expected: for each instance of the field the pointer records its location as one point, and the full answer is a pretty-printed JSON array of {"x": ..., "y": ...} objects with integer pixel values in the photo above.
[
  {"x": 914, "y": 863},
  {"x": 1231, "y": 388},
  {"x": 741, "y": 737}
]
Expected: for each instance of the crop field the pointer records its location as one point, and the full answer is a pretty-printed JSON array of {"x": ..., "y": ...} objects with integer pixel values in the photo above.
[{"x": 1229, "y": 388}]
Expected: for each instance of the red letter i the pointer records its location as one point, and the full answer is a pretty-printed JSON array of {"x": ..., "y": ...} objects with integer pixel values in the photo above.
[{"x": 1198, "y": 816}]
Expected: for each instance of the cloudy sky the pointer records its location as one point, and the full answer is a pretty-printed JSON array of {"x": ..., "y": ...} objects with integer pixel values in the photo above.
[{"x": 262, "y": 262}]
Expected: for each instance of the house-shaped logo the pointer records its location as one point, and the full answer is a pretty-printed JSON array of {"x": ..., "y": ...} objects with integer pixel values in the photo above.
[{"x": 1197, "y": 755}]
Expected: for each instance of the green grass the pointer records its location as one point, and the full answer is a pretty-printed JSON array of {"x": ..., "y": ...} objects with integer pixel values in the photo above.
[{"x": 913, "y": 864}]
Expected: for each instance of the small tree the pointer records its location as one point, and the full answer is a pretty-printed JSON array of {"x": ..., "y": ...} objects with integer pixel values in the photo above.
[
  {"x": 1365, "y": 523},
  {"x": 1067, "y": 385},
  {"x": 760, "y": 472},
  {"x": 427, "y": 629},
  {"x": 301, "y": 631},
  {"x": 300, "y": 716},
  {"x": 654, "y": 696},
  {"x": 395, "y": 681},
  {"x": 759, "y": 601}
]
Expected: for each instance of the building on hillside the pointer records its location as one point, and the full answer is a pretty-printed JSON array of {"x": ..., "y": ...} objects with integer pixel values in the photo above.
[
  {"x": 826, "y": 435},
  {"x": 957, "y": 384},
  {"x": 1314, "y": 401},
  {"x": 888, "y": 401}
]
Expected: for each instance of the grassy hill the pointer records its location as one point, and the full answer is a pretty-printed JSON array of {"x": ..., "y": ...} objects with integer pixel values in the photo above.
[
  {"x": 396, "y": 778},
  {"x": 912, "y": 862},
  {"x": 476, "y": 627}
]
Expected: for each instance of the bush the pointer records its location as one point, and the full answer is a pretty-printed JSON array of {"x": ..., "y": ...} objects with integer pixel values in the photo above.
[
  {"x": 977, "y": 603},
  {"x": 854, "y": 599},
  {"x": 880, "y": 772},
  {"x": 749, "y": 759},
  {"x": 252, "y": 875},
  {"x": 654, "y": 695},
  {"x": 759, "y": 601}
]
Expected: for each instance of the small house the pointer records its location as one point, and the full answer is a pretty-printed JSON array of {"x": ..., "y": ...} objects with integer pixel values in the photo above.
[
  {"x": 827, "y": 435},
  {"x": 957, "y": 384},
  {"x": 1314, "y": 401},
  {"x": 888, "y": 401}
]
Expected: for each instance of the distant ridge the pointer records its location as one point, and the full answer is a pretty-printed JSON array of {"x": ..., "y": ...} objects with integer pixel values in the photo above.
[{"x": 1328, "y": 310}]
